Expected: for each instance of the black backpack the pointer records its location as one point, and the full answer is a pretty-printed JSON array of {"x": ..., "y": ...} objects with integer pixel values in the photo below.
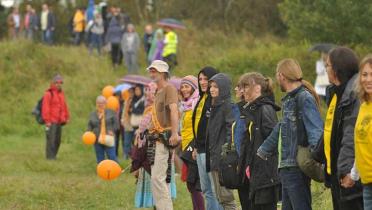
[{"x": 37, "y": 110}]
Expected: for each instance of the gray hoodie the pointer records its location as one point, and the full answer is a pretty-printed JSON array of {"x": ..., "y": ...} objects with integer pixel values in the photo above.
[{"x": 220, "y": 121}]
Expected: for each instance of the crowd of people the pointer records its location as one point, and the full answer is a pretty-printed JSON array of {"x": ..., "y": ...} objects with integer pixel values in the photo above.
[
  {"x": 159, "y": 124},
  {"x": 99, "y": 26}
]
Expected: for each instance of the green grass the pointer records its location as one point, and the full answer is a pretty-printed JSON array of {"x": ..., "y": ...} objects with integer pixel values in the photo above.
[{"x": 28, "y": 181}]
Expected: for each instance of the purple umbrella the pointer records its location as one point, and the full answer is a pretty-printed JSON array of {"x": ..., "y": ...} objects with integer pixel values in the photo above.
[
  {"x": 135, "y": 79},
  {"x": 172, "y": 23},
  {"x": 176, "y": 82}
]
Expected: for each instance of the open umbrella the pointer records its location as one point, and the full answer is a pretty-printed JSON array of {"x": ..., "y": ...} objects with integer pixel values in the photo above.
[
  {"x": 135, "y": 79},
  {"x": 122, "y": 87},
  {"x": 172, "y": 23},
  {"x": 176, "y": 82},
  {"x": 322, "y": 47}
]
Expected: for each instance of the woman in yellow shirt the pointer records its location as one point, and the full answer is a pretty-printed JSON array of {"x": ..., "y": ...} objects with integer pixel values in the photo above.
[
  {"x": 190, "y": 175},
  {"x": 363, "y": 130}
]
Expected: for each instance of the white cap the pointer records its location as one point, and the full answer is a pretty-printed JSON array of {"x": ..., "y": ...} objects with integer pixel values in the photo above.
[{"x": 159, "y": 65}]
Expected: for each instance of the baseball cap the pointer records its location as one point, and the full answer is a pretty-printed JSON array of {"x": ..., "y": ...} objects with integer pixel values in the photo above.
[{"x": 159, "y": 65}]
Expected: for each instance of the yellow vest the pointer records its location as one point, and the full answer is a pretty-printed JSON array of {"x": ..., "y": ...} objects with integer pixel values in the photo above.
[
  {"x": 198, "y": 112},
  {"x": 186, "y": 132},
  {"x": 363, "y": 142},
  {"x": 328, "y": 131},
  {"x": 170, "y": 41}
]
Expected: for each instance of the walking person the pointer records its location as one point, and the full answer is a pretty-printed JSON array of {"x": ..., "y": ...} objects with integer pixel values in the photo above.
[
  {"x": 300, "y": 98},
  {"x": 363, "y": 132},
  {"x": 130, "y": 44},
  {"x": 260, "y": 180},
  {"x": 113, "y": 36},
  {"x": 190, "y": 95},
  {"x": 343, "y": 105},
  {"x": 103, "y": 122},
  {"x": 199, "y": 125},
  {"x": 164, "y": 132},
  {"x": 55, "y": 114}
]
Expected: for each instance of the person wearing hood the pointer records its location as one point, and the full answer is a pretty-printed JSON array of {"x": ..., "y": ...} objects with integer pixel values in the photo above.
[
  {"x": 343, "y": 106},
  {"x": 199, "y": 127},
  {"x": 219, "y": 132},
  {"x": 300, "y": 103},
  {"x": 189, "y": 97},
  {"x": 260, "y": 181},
  {"x": 55, "y": 114}
]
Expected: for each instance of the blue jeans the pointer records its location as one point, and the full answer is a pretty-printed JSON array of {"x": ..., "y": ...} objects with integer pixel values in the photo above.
[
  {"x": 47, "y": 36},
  {"x": 128, "y": 139},
  {"x": 206, "y": 183},
  {"x": 296, "y": 192},
  {"x": 95, "y": 42},
  {"x": 367, "y": 196},
  {"x": 101, "y": 150}
]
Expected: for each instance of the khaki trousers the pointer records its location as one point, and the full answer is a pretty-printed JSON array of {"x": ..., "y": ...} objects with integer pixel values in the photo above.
[
  {"x": 161, "y": 189},
  {"x": 224, "y": 196}
]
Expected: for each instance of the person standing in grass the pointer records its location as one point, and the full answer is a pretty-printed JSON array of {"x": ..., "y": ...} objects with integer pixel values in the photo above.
[
  {"x": 219, "y": 132},
  {"x": 55, "y": 114},
  {"x": 190, "y": 95},
  {"x": 343, "y": 105},
  {"x": 284, "y": 139},
  {"x": 130, "y": 44},
  {"x": 363, "y": 131},
  {"x": 103, "y": 122}
]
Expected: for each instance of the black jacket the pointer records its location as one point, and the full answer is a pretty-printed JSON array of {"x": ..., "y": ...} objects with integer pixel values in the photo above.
[
  {"x": 261, "y": 115},
  {"x": 220, "y": 122},
  {"x": 202, "y": 126},
  {"x": 342, "y": 140}
]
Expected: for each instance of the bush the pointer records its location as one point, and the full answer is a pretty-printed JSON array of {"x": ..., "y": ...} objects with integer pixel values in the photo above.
[{"x": 336, "y": 21}]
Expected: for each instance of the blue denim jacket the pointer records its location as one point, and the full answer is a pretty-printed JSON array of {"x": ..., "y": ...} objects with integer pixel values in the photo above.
[
  {"x": 239, "y": 128},
  {"x": 313, "y": 125}
]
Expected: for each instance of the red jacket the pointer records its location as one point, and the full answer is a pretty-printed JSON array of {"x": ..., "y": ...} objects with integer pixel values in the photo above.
[{"x": 54, "y": 109}]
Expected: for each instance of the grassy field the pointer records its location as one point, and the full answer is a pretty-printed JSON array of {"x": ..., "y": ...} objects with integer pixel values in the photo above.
[{"x": 28, "y": 181}]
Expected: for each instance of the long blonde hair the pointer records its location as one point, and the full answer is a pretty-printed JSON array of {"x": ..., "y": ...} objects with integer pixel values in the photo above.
[
  {"x": 363, "y": 95},
  {"x": 292, "y": 71}
]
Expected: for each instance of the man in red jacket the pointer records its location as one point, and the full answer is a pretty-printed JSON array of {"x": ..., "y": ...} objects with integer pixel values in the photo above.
[{"x": 55, "y": 114}]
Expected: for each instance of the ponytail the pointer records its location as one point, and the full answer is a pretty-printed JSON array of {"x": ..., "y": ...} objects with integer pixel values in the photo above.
[
  {"x": 268, "y": 89},
  {"x": 311, "y": 89}
]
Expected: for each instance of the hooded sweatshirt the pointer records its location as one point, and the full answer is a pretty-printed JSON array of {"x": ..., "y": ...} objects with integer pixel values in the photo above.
[
  {"x": 201, "y": 112},
  {"x": 220, "y": 121}
]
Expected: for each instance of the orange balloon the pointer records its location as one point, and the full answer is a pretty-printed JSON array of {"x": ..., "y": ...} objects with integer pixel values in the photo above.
[
  {"x": 108, "y": 91},
  {"x": 89, "y": 138},
  {"x": 125, "y": 95},
  {"x": 108, "y": 169},
  {"x": 113, "y": 103}
]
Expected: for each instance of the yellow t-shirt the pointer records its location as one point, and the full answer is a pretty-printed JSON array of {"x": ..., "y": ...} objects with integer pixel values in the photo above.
[
  {"x": 79, "y": 21},
  {"x": 363, "y": 142},
  {"x": 186, "y": 132},
  {"x": 198, "y": 113},
  {"x": 328, "y": 131}
]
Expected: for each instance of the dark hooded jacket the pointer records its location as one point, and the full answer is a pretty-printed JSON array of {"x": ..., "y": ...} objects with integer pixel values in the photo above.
[
  {"x": 260, "y": 117},
  {"x": 342, "y": 139},
  {"x": 220, "y": 122},
  {"x": 200, "y": 136}
]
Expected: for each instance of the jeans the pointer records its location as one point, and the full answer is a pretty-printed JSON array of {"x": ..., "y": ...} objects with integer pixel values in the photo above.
[
  {"x": 101, "y": 150},
  {"x": 296, "y": 192},
  {"x": 47, "y": 36},
  {"x": 206, "y": 183},
  {"x": 128, "y": 140},
  {"x": 130, "y": 59},
  {"x": 78, "y": 36},
  {"x": 367, "y": 196},
  {"x": 95, "y": 42}
]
